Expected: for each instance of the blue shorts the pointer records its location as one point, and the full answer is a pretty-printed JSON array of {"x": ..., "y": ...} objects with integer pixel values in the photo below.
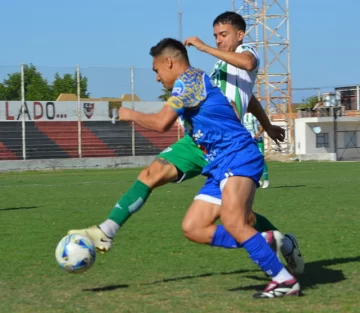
[{"x": 247, "y": 162}]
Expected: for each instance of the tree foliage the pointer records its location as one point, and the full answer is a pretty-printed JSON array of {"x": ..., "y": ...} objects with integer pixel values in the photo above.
[
  {"x": 309, "y": 102},
  {"x": 166, "y": 94},
  {"x": 68, "y": 84},
  {"x": 38, "y": 88}
]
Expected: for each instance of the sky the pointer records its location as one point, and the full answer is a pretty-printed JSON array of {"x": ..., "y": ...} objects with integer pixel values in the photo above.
[{"x": 107, "y": 37}]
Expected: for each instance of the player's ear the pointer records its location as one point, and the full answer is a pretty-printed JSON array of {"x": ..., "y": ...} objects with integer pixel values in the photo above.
[
  {"x": 169, "y": 62},
  {"x": 240, "y": 35}
]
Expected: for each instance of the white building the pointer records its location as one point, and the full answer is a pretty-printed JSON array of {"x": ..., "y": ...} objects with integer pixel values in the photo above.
[{"x": 315, "y": 139}]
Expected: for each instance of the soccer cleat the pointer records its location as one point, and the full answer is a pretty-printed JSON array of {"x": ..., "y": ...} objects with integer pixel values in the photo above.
[
  {"x": 274, "y": 239},
  {"x": 294, "y": 260},
  {"x": 275, "y": 290},
  {"x": 266, "y": 184},
  {"x": 99, "y": 239}
]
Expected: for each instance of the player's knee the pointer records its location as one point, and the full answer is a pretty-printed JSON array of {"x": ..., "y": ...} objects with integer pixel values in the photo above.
[
  {"x": 233, "y": 220},
  {"x": 158, "y": 174},
  {"x": 145, "y": 175},
  {"x": 189, "y": 228},
  {"x": 152, "y": 177}
]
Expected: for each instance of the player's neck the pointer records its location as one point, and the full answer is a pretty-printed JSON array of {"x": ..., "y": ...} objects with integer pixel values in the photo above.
[{"x": 182, "y": 68}]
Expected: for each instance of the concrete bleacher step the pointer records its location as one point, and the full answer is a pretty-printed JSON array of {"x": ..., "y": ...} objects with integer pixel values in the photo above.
[{"x": 65, "y": 135}]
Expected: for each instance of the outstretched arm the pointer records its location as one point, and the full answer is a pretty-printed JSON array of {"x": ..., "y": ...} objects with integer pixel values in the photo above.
[
  {"x": 245, "y": 60},
  {"x": 160, "y": 122},
  {"x": 257, "y": 110},
  {"x": 275, "y": 132}
]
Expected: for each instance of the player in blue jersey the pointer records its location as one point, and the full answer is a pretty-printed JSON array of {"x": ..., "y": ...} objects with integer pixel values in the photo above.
[{"x": 234, "y": 162}]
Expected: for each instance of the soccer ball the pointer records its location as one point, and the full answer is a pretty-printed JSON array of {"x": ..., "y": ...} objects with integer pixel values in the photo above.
[{"x": 75, "y": 253}]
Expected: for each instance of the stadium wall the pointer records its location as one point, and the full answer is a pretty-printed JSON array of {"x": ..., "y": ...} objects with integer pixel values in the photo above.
[{"x": 50, "y": 134}]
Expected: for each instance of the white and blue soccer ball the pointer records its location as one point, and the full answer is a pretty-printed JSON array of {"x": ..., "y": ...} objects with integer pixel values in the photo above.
[{"x": 75, "y": 253}]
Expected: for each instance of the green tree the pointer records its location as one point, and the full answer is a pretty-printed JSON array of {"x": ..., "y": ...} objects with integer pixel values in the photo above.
[
  {"x": 36, "y": 87},
  {"x": 2, "y": 92},
  {"x": 68, "y": 84},
  {"x": 309, "y": 102},
  {"x": 166, "y": 94}
]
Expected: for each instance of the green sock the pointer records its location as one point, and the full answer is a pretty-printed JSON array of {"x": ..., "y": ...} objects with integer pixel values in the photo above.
[
  {"x": 263, "y": 224},
  {"x": 265, "y": 172},
  {"x": 130, "y": 202}
]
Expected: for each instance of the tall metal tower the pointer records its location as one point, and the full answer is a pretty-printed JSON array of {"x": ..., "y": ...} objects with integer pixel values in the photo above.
[{"x": 268, "y": 30}]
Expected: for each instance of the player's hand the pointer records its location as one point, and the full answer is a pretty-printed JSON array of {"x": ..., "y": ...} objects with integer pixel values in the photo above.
[
  {"x": 276, "y": 133},
  {"x": 195, "y": 42},
  {"x": 124, "y": 114}
]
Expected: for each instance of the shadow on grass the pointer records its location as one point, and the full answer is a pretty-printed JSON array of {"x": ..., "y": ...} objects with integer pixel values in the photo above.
[
  {"x": 315, "y": 274},
  {"x": 289, "y": 186},
  {"x": 19, "y": 208},
  {"x": 107, "y": 288},
  {"x": 167, "y": 280}
]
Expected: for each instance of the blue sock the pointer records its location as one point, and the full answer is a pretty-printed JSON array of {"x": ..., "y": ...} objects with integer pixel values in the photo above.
[
  {"x": 222, "y": 238},
  {"x": 262, "y": 255}
]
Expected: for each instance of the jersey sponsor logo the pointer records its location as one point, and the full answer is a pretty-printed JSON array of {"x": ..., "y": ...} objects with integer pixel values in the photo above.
[
  {"x": 216, "y": 76},
  {"x": 210, "y": 156},
  {"x": 198, "y": 135},
  {"x": 178, "y": 88}
]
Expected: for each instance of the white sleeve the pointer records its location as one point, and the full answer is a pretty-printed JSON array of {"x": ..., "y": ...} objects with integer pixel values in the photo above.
[{"x": 246, "y": 47}]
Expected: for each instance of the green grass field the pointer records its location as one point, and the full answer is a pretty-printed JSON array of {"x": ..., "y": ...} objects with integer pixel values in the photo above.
[{"x": 152, "y": 267}]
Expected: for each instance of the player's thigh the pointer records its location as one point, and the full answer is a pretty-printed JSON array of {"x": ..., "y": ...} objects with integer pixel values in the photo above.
[
  {"x": 158, "y": 173},
  {"x": 238, "y": 194},
  {"x": 211, "y": 193},
  {"x": 205, "y": 208},
  {"x": 186, "y": 157},
  {"x": 200, "y": 215}
]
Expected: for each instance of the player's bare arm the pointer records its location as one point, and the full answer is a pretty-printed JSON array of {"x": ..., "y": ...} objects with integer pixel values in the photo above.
[
  {"x": 159, "y": 122},
  {"x": 245, "y": 60},
  {"x": 275, "y": 132},
  {"x": 258, "y": 134},
  {"x": 257, "y": 110}
]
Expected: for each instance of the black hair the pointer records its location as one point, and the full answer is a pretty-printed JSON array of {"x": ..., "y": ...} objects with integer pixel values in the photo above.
[
  {"x": 169, "y": 44},
  {"x": 231, "y": 18}
]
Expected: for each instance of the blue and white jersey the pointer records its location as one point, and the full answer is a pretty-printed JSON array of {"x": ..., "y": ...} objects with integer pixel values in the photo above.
[{"x": 208, "y": 116}]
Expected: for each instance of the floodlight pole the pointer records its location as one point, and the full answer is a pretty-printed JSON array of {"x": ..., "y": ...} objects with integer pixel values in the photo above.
[
  {"x": 180, "y": 19},
  {"x": 336, "y": 109}
]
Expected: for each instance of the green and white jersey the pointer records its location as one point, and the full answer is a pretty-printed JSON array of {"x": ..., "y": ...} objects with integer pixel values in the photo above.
[
  {"x": 251, "y": 124},
  {"x": 236, "y": 84}
]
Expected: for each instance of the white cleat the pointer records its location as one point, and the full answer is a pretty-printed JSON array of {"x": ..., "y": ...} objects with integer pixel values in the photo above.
[
  {"x": 99, "y": 239},
  {"x": 266, "y": 184},
  {"x": 276, "y": 290},
  {"x": 294, "y": 260}
]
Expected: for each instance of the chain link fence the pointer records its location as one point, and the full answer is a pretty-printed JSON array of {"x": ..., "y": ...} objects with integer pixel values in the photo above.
[{"x": 69, "y": 112}]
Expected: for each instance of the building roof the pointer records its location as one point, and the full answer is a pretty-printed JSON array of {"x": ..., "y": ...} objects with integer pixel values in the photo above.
[{"x": 73, "y": 97}]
